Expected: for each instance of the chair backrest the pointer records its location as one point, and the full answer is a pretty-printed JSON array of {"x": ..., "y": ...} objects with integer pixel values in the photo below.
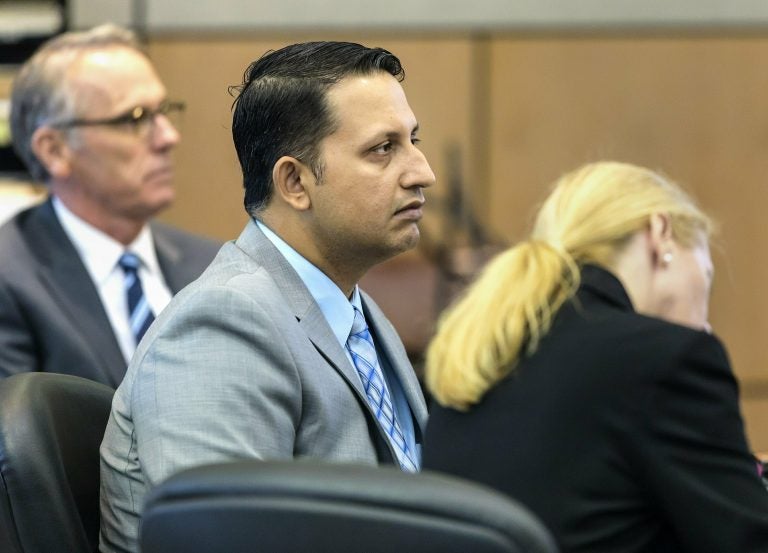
[
  {"x": 51, "y": 426},
  {"x": 315, "y": 508}
]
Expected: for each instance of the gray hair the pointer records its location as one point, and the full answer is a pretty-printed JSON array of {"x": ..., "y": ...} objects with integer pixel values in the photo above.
[{"x": 41, "y": 90}]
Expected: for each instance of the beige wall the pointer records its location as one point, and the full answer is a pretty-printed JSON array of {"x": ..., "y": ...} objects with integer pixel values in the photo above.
[{"x": 522, "y": 110}]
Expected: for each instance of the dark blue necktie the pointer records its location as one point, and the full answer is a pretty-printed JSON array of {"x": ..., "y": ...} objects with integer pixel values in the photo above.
[{"x": 139, "y": 314}]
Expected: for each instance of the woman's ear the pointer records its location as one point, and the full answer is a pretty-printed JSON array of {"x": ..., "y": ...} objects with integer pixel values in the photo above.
[
  {"x": 51, "y": 149},
  {"x": 660, "y": 240},
  {"x": 291, "y": 178}
]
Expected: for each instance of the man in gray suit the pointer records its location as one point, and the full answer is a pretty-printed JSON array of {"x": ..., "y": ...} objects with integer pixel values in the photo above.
[
  {"x": 274, "y": 352},
  {"x": 89, "y": 118}
]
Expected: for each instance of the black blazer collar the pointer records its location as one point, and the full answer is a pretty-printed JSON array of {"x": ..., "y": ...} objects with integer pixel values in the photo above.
[{"x": 602, "y": 284}]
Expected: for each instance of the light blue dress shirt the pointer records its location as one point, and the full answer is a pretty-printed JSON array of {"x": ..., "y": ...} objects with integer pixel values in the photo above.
[{"x": 338, "y": 310}]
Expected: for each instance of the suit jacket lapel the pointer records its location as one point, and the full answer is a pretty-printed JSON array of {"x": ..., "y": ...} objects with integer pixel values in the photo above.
[
  {"x": 389, "y": 342},
  {"x": 70, "y": 285},
  {"x": 316, "y": 327},
  {"x": 301, "y": 302}
]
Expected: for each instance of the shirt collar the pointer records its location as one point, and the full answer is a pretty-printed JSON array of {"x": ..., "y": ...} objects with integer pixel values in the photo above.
[
  {"x": 98, "y": 250},
  {"x": 334, "y": 305}
]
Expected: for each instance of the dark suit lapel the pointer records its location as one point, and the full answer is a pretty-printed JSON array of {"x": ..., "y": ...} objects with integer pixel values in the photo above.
[
  {"x": 182, "y": 257},
  {"x": 169, "y": 256},
  {"x": 71, "y": 287}
]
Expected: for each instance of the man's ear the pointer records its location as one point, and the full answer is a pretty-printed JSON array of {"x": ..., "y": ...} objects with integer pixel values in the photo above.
[
  {"x": 660, "y": 241},
  {"x": 291, "y": 178},
  {"x": 52, "y": 150}
]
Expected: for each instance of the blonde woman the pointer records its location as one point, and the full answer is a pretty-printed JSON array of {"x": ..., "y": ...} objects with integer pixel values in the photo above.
[{"x": 578, "y": 375}]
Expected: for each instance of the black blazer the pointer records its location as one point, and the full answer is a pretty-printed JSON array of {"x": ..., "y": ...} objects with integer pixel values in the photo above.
[
  {"x": 622, "y": 432},
  {"x": 51, "y": 316}
]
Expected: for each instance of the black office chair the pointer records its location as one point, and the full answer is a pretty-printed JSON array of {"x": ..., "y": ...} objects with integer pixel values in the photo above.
[
  {"x": 308, "y": 507},
  {"x": 51, "y": 426}
]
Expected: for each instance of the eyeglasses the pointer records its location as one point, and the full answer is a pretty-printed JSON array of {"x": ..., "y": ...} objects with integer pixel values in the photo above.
[{"x": 139, "y": 119}]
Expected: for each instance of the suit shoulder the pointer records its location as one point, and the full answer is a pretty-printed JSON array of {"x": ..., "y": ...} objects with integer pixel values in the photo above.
[
  {"x": 647, "y": 347},
  {"x": 624, "y": 325},
  {"x": 11, "y": 234},
  {"x": 233, "y": 270},
  {"x": 231, "y": 289},
  {"x": 16, "y": 236},
  {"x": 677, "y": 339},
  {"x": 15, "y": 227}
]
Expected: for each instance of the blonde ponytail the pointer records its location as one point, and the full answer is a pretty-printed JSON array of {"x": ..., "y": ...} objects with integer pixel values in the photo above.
[
  {"x": 588, "y": 218},
  {"x": 503, "y": 315}
]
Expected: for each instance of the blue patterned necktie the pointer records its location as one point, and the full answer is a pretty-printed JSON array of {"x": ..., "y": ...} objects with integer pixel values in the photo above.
[
  {"x": 360, "y": 346},
  {"x": 139, "y": 313}
]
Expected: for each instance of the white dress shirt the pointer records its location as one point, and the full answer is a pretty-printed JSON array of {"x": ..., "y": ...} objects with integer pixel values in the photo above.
[{"x": 100, "y": 253}]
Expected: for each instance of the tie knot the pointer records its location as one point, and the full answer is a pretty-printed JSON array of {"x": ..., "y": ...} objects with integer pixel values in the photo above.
[
  {"x": 359, "y": 325},
  {"x": 129, "y": 262}
]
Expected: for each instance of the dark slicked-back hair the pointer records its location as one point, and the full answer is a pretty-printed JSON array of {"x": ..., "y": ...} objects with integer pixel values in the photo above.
[{"x": 281, "y": 107}]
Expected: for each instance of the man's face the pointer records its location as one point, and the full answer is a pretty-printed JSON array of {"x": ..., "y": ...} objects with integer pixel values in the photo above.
[
  {"x": 119, "y": 170},
  {"x": 368, "y": 204}
]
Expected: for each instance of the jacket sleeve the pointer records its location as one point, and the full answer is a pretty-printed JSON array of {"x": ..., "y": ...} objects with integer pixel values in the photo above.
[{"x": 695, "y": 456}]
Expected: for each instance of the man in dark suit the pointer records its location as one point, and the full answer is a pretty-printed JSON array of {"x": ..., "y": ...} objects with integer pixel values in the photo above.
[{"x": 83, "y": 274}]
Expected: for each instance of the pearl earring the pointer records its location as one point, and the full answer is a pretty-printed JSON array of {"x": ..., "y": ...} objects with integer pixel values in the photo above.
[{"x": 666, "y": 259}]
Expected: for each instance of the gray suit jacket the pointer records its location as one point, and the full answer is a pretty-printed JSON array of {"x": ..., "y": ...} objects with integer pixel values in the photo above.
[
  {"x": 51, "y": 316},
  {"x": 241, "y": 364}
]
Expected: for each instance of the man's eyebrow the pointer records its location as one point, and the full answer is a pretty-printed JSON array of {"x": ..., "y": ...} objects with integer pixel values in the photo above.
[{"x": 393, "y": 134}]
